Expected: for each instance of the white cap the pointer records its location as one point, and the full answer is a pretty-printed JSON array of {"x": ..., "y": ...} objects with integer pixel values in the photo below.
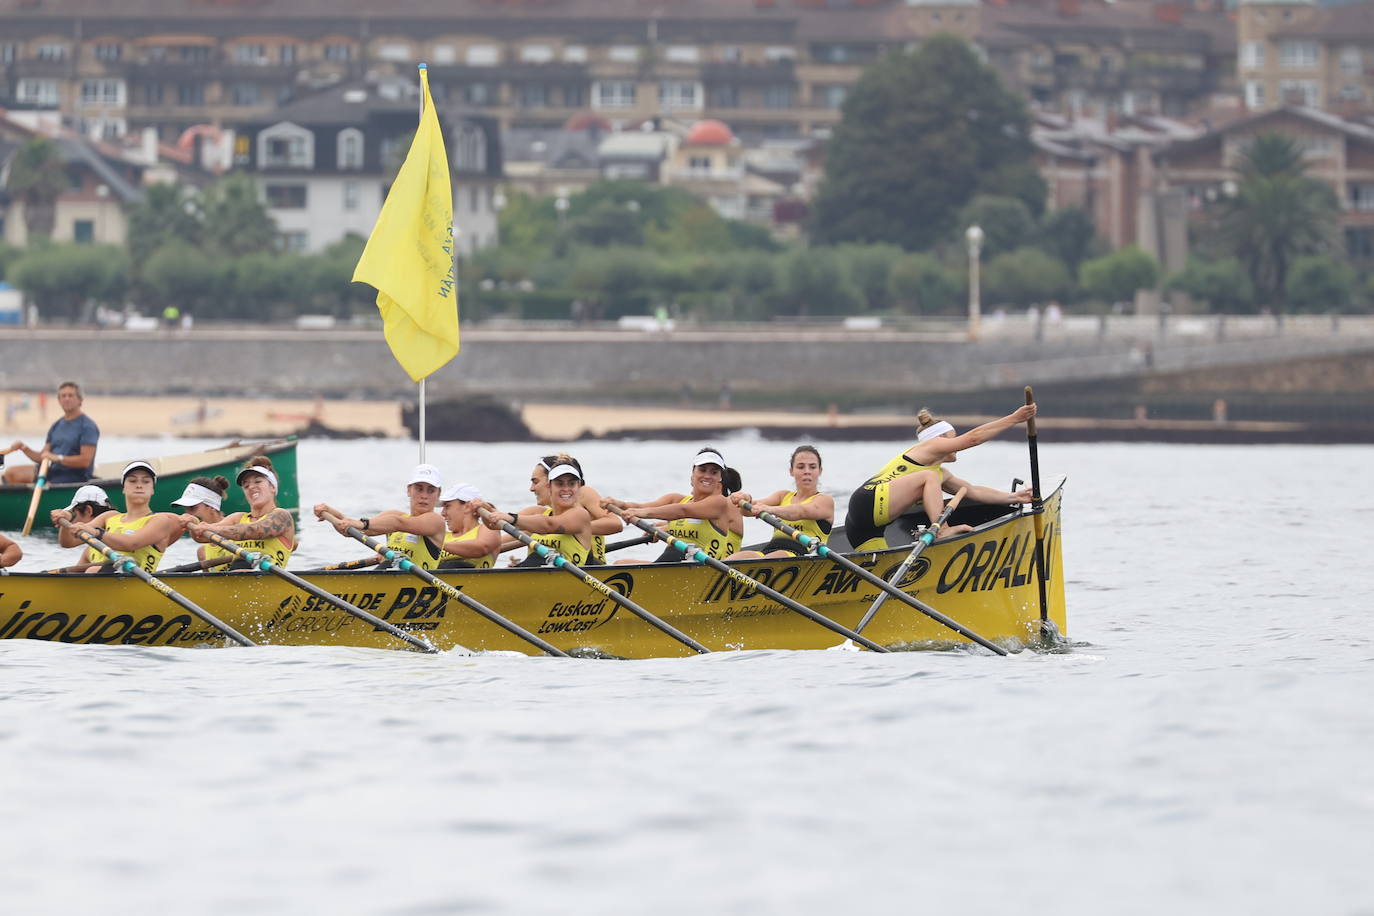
[
  {"x": 195, "y": 495},
  {"x": 137, "y": 465},
  {"x": 463, "y": 492},
  {"x": 258, "y": 469},
  {"x": 426, "y": 473},
  {"x": 933, "y": 430},
  {"x": 708, "y": 457},
  {"x": 89, "y": 494}
]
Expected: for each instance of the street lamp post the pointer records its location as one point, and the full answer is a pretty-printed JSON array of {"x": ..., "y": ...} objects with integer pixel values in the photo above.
[{"x": 974, "y": 235}]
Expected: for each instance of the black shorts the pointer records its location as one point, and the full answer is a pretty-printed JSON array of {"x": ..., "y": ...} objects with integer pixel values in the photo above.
[{"x": 859, "y": 525}]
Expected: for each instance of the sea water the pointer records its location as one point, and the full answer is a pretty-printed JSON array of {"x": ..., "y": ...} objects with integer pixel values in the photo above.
[{"x": 1206, "y": 747}]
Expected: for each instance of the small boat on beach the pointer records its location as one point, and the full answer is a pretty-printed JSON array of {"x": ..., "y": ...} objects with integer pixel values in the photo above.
[
  {"x": 173, "y": 473},
  {"x": 985, "y": 580}
]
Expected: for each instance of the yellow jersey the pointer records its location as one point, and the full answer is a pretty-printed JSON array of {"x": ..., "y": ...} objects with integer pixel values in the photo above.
[
  {"x": 146, "y": 557},
  {"x": 274, "y": 548},
  {"x": 817, "y": 528},
  {"x": 705, "y": 535},
  {"x": 485, "y": 561},
  {"x": 417, "y": 548},
  {"x": 566, "y": 544}
]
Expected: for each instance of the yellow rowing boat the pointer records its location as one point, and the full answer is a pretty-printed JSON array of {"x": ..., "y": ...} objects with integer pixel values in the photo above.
[{"x": 985, "y": 580}]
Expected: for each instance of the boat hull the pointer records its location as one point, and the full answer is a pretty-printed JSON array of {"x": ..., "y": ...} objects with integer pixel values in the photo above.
[
  {"x": 984, "y": 580},
  {"x": 174, "y": 473}
]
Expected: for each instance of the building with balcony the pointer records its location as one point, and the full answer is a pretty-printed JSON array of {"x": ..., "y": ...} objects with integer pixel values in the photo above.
[{"x": 1294, "y": 52}]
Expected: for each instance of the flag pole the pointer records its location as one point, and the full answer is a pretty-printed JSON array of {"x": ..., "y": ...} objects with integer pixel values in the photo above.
[{"x": 422, "y": 421}]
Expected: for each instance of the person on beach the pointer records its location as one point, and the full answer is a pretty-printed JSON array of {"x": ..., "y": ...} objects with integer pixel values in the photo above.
[
  {"x": 88, "y": 503},
  {"x": 917, "y": 476},
  {"x": 265, "y": 528},
  {"x": 417, "y": 534},
  {"x": 471, "y": 545},
  {"x": 139, "y": 533},
  {"x": 204, "y": 499},
  {"x": 69, "y": 446},
  {"x": 806, "y": 508},
  {"x": 564, "y": 525},
  {"x": 704, "y": 517},
  {"x": 603, "y": 522},
  {"x": 10, "y": 553}
]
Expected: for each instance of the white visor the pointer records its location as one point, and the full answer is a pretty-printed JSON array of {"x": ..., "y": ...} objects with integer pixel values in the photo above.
[
  {"x": 258, "y": 469},
  {"x": 708, "y": 458},
  {"x": 935, "y": 429},
  {"x": 558, "y": 470},
  {"x": 89, "y": 494},
  {"x": 138, "y": 466},
  {"x": 195, "y": 495}
]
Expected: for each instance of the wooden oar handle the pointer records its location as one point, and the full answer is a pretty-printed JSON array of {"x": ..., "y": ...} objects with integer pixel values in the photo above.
[
  {"x": 1030, "y": 399},
  {"x": 958, "y": 498}
]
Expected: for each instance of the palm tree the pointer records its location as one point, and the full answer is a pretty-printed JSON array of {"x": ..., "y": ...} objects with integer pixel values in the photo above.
[
  {"x": 235, "y": 220},
  {"x": 164, "y": 215},
  {"x": 37, "y": 177},
  {"x": 1277, "y": 215}
]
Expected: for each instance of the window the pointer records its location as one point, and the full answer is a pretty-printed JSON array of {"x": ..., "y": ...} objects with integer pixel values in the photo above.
[
  {"x": 831, "y": 96},
  {"x": 469, "y": 147},
  {"x": 483, "y": 56},
  {"x": 679, "y": 95},
  {"x": 286, "y": 146},
  {"x": 36, "y": 91},
  {"x": 102, "y": 92},
  {"x": 1351, "y": 59},
  {"x": 683, "y": 54},
  {"x": 725, "y": 97},
  {"x": 532, "y": 95},
  {"x": 350, "y": 151},
  {"x": 190, "y": 94},
  {"x": 1300, "y": 92},
  {"x": 832, "y": 54},
  {"x": 777, "y": 97},
  {"x": 778, "y": 53},
  {"x": 250, "y": 54},
  {"x": 152, "y": 94},
  {"x": 108, "y": 51},
  {"x": 394, "y": 50},
  {"x": 83, "y": 231},
  {"x": 1252, "y": 55},
  {"x": 244, "y": 94},
  {"x": 1362, "y": 197},
  {"x": 700, "y": 164},
  {"x": 479, "y": 94},
  {"x": 575, "y": 54},
  {"x": 444, "y": 54},
  {"x": 1297, "y": 55},
  {"x": 287, "y": 54},
  {"x": 574, "y": 95},
  {"x": 285, "y": 196},
  {"x": 352, "y": 195},
  {"x": 51, "y": 52},
  {"x": 193, "y": 54},
  {"x": 1351, "y": 94},
  {"x": 613, "y": 94},
  {"x": 536, "y": 54},
  {"x": 624, "y": 54},
  {"x": 338, "y": 52},
  {"x": 729, "y": 54},
  {"x": 1254, "y": 95},
  {"x": 296, "y": 242},
  {"x": 9, "y": 53}
]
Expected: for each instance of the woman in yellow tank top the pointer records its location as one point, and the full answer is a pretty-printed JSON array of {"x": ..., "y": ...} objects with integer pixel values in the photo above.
[
  {"x": 471, "y": 543},
  {"x": 603, "y": 522},
  {"x": 917, "y": 476},
  {"x": 87, "y": 504},
  {"x": 806, "y": 508},
  {"x": 265, "y": 528},
  {"x": 139, "y": 533},
  {"x": 417, "y": 535},
  {"x": 565, "y": 526},
  {"x": 203, "y": 499},
  {"x": 705, "y": 517}
]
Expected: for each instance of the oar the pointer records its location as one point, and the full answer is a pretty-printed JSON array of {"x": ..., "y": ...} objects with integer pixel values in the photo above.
[
  {"x": 472, "y": 604},
  {"x": 1038, "y": 508},
  {"x": 562, "y": 562},
  {"x": 126, "y": 564},
  {"x": 39, "y": 483},
  {"x": 925, "y": 540},
  {"x": 629, "y": 542},
  {"x": 807, "y": 541},
  {"x": 258, "y": 561},
  {"x": 350, "y": 564},
  {"x": 700, "y": 556},
  {"x": 197, "y": 566}
]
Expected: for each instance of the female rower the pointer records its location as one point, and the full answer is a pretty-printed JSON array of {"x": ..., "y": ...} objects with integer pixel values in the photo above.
[
  {"x": 565, "y": 526},
  {"x": 917, "y": 476},
  {"x": 139, "y": 533},
  {"x": 806, "y": 508},
  {"x": 265, "y": 528},
  {"x": 705, "y": 517},
  {"x": 603, "y": 522},
  {"x": 204, "y": 499},
  {"x": 472, "y": 544},
  {"x": 89, "y": 502},
  {"x": 10, "y": 553},
  {"x": 417, "y": 534}
]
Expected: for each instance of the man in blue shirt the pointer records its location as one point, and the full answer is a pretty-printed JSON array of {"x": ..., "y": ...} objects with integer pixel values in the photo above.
[{"x": 70, "y": 446}]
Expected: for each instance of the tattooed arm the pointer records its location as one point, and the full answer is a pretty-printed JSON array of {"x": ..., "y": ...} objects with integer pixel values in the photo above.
[{"x": 277, "y": 524}]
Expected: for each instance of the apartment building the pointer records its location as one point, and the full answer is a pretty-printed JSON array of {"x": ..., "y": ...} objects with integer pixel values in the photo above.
[{"x": 1294, "y": 52}]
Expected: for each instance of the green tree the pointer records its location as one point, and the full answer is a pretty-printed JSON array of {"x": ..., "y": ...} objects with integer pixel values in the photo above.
[
  {"x": 605, "y": 224},
  {"x": 37, "y": 178},
  {"x": 1319, "y": 284},
  {"x": 167, "y": 213},
  {"x": 813, "y": 282},
  {"x": 922, "y": 133},
  {"x": 1024, "y": 277},
  {"x": 1222, "y": 284},
  {"x": 869, "y": 267},
  {"x": 920, "y": 285},
  {"x": 8, "y": 255},
  {"x": 1006, "y": 223},
  {"x": 235, "y": 220},
  {"x": 1117, "y": 276},
  {"x": 1068, "y": 235},
  {"x": 1277, "y": 215},
  {"x": 184, "y": 276},
  {"x": 68, "y": 281}
]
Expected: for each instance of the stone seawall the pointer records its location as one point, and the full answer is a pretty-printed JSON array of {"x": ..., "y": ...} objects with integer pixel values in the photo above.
[{"x": 608, "y": 365}]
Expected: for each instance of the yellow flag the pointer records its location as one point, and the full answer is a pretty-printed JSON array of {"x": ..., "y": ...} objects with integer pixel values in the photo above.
[{"x": 409, "y": 256}]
